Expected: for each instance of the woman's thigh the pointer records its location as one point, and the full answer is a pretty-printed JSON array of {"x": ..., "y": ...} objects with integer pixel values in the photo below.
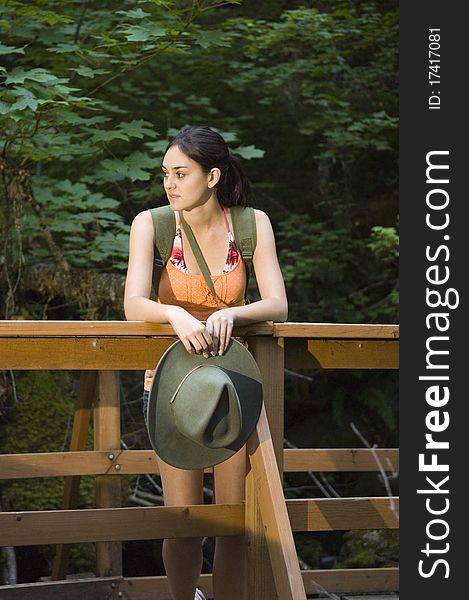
[
  {"x": 230, "y": 477},
  {"x": 181, "y": 486}
]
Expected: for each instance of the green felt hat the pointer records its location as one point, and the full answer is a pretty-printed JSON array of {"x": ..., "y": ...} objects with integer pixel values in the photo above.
[{"x": 203, "y": 410}]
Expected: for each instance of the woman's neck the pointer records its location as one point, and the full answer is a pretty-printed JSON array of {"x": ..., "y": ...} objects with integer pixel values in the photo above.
[{"x": 205, "y": 217}]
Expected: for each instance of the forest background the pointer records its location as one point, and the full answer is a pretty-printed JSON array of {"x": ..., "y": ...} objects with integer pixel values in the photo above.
[{"x": 307, "y": 94}]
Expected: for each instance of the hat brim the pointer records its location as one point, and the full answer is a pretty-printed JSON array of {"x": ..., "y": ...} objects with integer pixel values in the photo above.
[{"x": 170, "y": 445}]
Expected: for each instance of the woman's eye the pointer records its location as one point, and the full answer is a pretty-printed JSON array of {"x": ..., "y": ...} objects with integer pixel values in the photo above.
[{"x": 180, "y": 174}]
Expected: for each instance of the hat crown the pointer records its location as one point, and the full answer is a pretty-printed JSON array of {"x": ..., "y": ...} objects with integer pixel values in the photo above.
[{"x": 206, "y": 407}]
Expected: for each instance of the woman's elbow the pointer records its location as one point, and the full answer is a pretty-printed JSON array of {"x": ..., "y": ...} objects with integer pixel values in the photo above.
[{"x": 282, "y": 310}]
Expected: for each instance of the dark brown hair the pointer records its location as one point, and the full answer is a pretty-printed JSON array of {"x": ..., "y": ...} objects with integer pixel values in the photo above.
[{"x": 209, "y": 149}]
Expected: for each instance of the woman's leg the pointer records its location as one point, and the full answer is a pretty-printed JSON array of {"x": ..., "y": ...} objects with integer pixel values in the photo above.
[
  {"x": 182, "y": 557},
  {"x": 230, "y": 552}
]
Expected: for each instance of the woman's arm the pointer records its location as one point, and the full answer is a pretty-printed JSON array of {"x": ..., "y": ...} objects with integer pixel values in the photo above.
[
  {"x": 273, "y": 305},
  {"x": 137, "y": 303}
]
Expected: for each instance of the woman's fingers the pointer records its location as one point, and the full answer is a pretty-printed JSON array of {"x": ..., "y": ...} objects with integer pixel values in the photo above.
[
  {"x": 215, "y": 337},
  {"x": 226, "y": 328}
]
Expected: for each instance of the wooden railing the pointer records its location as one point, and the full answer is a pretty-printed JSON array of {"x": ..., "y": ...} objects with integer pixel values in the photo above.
[{"x": 99, "y": 350}]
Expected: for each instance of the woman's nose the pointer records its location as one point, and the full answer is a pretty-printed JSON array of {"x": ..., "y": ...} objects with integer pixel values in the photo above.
[{"x": 169, "y": 182}]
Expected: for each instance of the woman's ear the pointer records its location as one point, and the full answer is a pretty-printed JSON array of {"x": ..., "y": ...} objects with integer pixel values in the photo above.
[{"x": 214, "y": 177}]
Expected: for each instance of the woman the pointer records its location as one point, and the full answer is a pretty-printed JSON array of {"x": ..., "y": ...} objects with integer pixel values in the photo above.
[{"x": 203, "y": 180}]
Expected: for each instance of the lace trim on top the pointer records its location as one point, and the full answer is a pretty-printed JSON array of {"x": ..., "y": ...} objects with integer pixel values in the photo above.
[{"x": 177, "y": 255}]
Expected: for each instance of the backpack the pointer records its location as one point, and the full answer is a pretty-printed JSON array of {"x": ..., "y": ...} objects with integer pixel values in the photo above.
[{"x": 164, "y": 230}]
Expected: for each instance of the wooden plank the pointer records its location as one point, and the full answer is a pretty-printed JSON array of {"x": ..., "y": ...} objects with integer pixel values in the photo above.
[
  {"x": 80, "y": 429},
  {"x": 336, "y": 330},
  {"x": 32, "y": 528},
  {"x": 82, "y": 353},
  {"x": 340, "y": 460},
  {"x": 268, "y": 492},
  {"x": 84, "y": 589},
  {"x": 107, "y": 436},
  {"x": 331, "y": 514},
  {"x": 269, "y": 356},
  {"x": 372, "y": 597},
  {"x": 351, "y": 580},
  {"x": 60, "y": 464},
  {"x": 149, "y": 588},
  {"x": 31, "y": 329},
  {"x": 341, "y": 354}
]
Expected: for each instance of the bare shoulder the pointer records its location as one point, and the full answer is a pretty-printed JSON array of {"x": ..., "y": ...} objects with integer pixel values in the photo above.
[
  {"x": 142, "y": 219},
  {"x": 262, "y": 221},
  {"x": 143, "y": 223}
]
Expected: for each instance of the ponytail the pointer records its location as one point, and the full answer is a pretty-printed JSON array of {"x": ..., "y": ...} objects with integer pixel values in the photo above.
[{"x": 234, "y": 188}]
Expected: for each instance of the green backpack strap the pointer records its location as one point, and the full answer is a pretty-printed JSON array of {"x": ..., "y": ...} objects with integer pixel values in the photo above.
[
  {"x": 245, "y": 234},
  {"x": 164, "y": 230}
]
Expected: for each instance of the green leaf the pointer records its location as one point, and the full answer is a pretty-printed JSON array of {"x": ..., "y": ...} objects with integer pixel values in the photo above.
[
  {"x": 27, "y": 100},
  {"x": 40, "y": 75},
  {"x": 212, "y": 37},
  {"x": 134, "y": 13},
  {"x": 88, "y": 72},
  {"x": 63, "y": 48},
  {"x": 11, "y": 49},
  {"x": 138, "y": 128},
  {"x": 107, "y": 136},
  {"x": 142, "y": 33},
  {"x": 249, "y": 152}
]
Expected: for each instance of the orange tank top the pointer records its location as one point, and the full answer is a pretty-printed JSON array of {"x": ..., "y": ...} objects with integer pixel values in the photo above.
[{"x": 181, "y": 288}]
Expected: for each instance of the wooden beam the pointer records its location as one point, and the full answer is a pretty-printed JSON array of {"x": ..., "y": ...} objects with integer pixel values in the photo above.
[
  {"x": 32, "y": 329},
  {"x": 332, "y": 514},
  {"x": 32, "y": 528},
  {"x": 336, "y": 330},
  {"x": 60, "y": 464},
  {"x": 269, "y": 356},
  {"x": 82, "y": 353},
  {"x": 340, "y": 460},
  {"x": 351, "y": 580},
  {"x": 107, "y": 436},
  {"x": 80, "y": 430},
  {"x": 341, "y": 354},
  {"x": 149, "y": 588},
  {"x": 266, "y": 489}
]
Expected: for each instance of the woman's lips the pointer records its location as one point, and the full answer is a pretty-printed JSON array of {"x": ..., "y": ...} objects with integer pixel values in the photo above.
[{"x": 173, "y": 196}]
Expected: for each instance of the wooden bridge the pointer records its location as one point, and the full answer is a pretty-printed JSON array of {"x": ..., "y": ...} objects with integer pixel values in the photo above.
[{"x": 100, "y": 350}]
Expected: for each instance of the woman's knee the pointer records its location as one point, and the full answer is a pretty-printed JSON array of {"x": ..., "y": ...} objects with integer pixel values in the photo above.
[{"x": 183, "y": 545}]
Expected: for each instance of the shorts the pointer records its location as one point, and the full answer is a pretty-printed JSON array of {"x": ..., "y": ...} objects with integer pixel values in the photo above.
[{"x": 146, "y": 395}]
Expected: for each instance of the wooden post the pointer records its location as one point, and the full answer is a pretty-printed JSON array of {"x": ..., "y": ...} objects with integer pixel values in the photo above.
[
  {"x": 81, "y": 424},
  {"x": 108, "y": 487},
  {"x": 268, "y": 353}
]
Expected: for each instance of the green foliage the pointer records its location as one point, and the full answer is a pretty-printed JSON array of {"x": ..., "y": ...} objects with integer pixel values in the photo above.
[{"x": 67, "y": 121}]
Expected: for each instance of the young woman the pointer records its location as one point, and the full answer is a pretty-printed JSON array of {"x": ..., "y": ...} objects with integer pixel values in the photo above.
[{"x": 202, "y": 179}]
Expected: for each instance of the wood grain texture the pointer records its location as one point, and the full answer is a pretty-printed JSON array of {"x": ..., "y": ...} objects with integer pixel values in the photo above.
[
  {"x": 269, "y": 356},
  {"x": 336, "y": 330},
  {"x": 82, "y": 353},
  {"x": 341, "y": 354},
  {"x": 31, "y": 528},
  {"x": 266, "y": 488},
  {"x": 148, "y": 588},
  {"x": 107, "y": 428},
  {"x": 80, "y": 429},
  {"x": 330, "y": 514},
  {"x": 331, "y": 460},
  {"x": 22, "y": 328}
]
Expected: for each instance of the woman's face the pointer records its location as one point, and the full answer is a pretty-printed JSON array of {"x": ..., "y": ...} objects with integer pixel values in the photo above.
[{"x": 185, "y": 183}]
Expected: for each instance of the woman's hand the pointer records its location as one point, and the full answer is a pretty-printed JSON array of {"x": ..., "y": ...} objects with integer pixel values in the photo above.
[
  {"x": 220, "y": 326},
  {"x": 193, "y": 333}
]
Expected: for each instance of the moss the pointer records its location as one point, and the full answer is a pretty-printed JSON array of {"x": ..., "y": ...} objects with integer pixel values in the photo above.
[{"x": 373, "y": 548}]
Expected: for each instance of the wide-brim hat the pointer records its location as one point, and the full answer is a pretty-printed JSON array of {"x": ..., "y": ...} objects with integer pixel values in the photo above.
[{"x": 203, "y": 410}]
